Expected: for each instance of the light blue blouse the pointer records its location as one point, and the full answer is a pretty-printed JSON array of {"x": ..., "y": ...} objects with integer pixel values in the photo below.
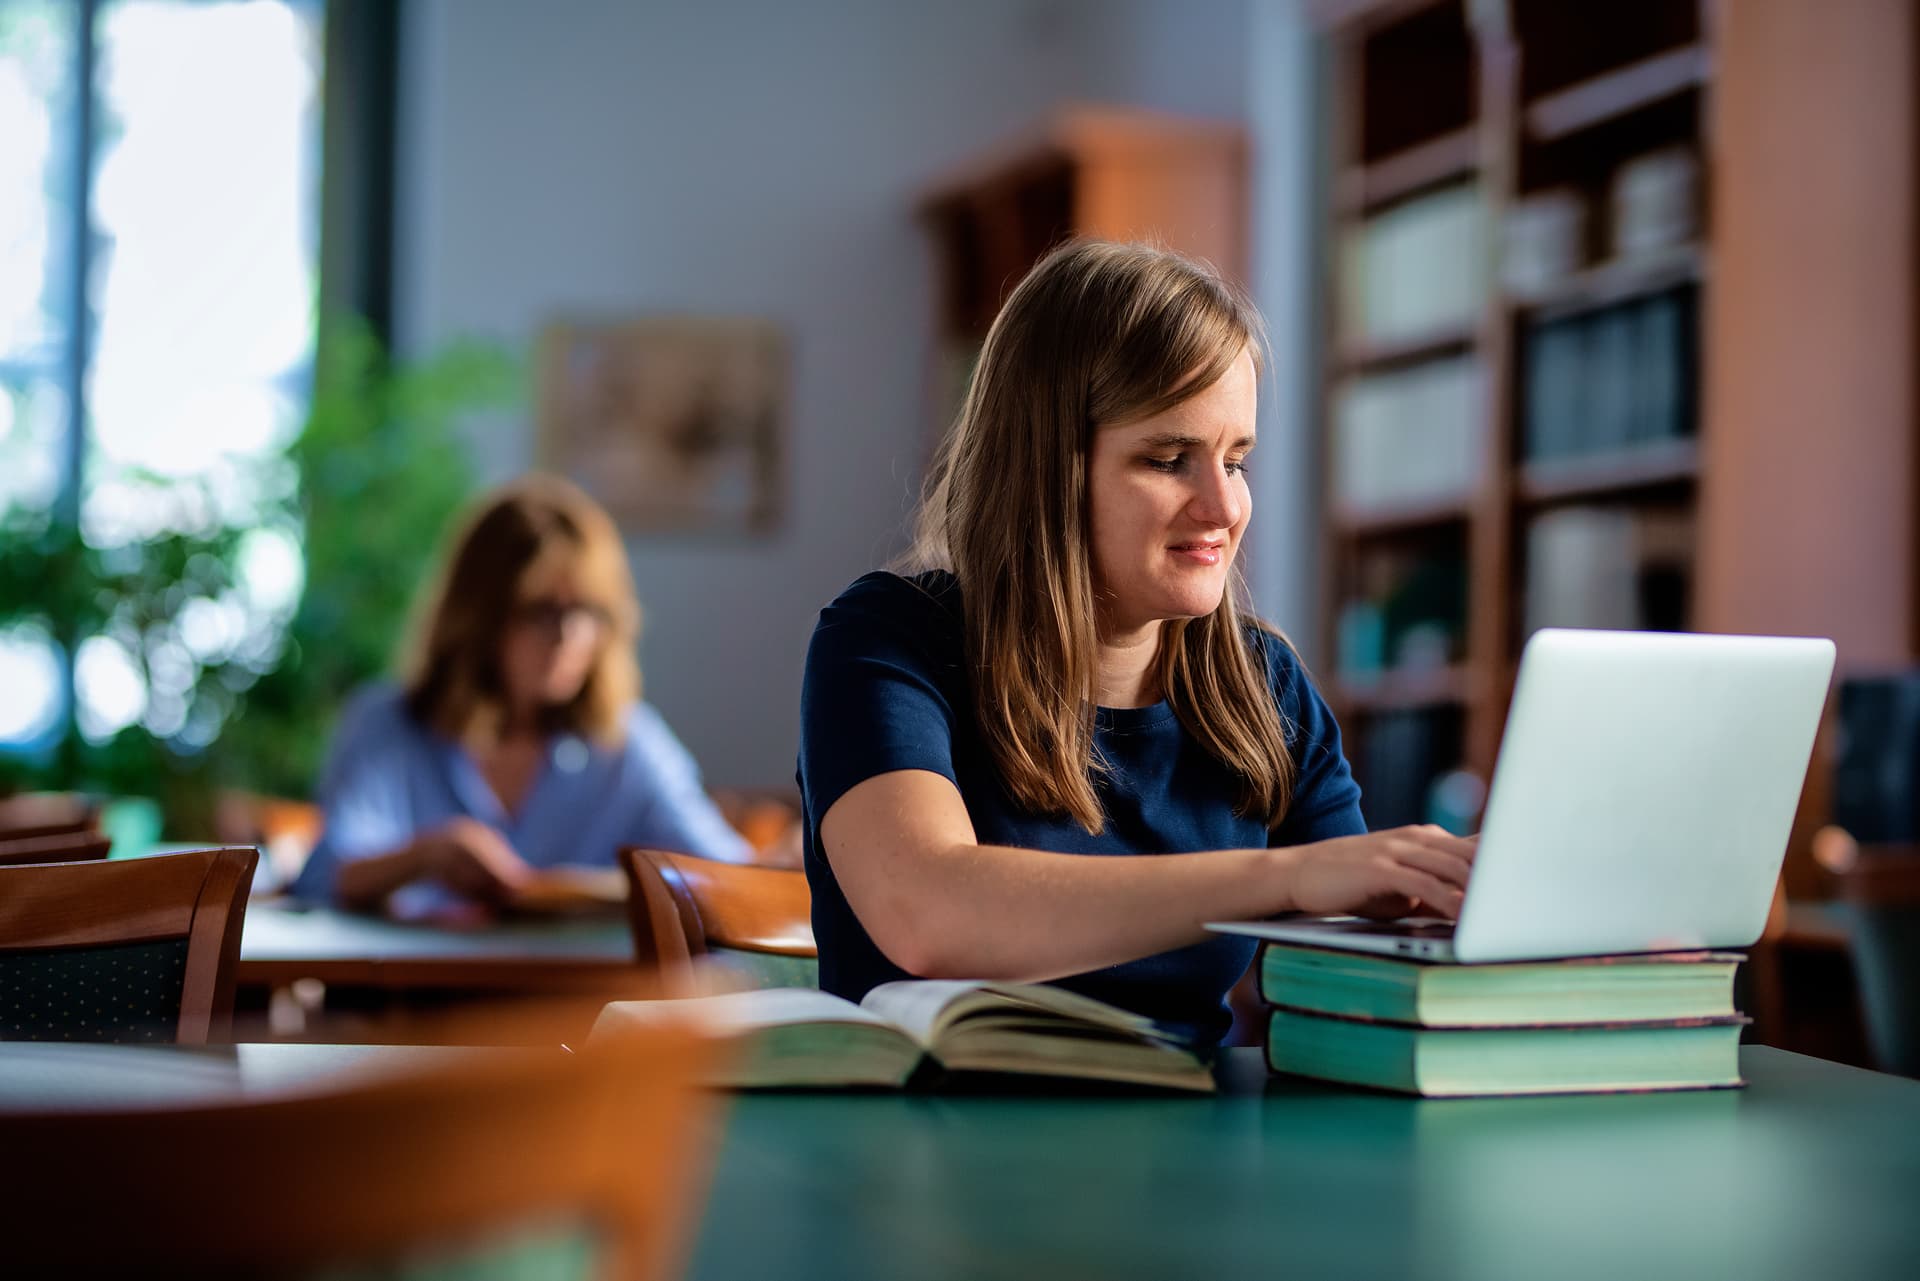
[{"x": 389, "y": 777}]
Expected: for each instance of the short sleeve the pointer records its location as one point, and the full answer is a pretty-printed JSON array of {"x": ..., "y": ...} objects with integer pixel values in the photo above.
[
  {"x": 363, "y": 795},
  {"x": 1326, "y": 800},
  {"x": 882, "y": 675},
  {"x": 672, "y": 808}
]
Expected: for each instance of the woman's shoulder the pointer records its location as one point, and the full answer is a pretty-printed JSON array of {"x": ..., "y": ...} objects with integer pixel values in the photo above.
[
  {"x": 645, "y": 732},
  {"x": 912, "y": 620},
  {"x": 923, "y": 608},
  {"x": 1274, "y": 652},
  {"x": 883, "y": 593},
  {"x": 376, "y": 712},
  {"x": 1294, "y": 691}
]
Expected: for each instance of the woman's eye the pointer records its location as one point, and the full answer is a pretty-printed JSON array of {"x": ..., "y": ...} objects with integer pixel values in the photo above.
[
  {"x": 1236, "y": 466},
  {"x": 1165, "y": 464}
]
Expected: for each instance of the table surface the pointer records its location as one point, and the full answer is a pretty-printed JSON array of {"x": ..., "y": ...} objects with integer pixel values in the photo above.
[
  {"x": 280, "y": 942},
  {"x": 1814, "y": 1170}
]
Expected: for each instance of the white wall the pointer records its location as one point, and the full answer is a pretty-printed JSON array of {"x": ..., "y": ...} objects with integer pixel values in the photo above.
[
  {"x": 759, "y": 158},
  {"x": 1284, "y": 126}
]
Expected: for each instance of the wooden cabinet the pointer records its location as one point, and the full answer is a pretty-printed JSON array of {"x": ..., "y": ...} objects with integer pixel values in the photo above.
[{"x": 1088, "y": 171}]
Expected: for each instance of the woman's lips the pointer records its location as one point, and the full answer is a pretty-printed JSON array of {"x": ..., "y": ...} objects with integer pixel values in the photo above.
[{"x": 1199, "y": 553}]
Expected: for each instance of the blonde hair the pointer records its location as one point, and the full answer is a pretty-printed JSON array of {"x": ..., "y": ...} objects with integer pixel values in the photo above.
[
  {"x": 522, "y": 531},
  {"x": 1097, "y": 334}
]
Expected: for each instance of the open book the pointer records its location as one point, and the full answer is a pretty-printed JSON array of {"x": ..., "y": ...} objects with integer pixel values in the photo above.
[{"x": 796, "y": 1037}]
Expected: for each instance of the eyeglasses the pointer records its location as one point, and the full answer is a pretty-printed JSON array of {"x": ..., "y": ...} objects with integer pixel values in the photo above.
[{"x": 553, "y": 616}]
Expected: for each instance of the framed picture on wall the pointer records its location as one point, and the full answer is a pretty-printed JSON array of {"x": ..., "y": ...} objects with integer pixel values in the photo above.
[{"x": 675, "y": 424}]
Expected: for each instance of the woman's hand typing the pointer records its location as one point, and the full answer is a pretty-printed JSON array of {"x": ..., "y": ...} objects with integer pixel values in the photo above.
[{"x": 1383, "y": 875}]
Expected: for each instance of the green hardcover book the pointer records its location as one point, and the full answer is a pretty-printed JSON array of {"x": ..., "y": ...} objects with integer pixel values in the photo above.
[
  {"x": 1607, "y": 989},
  {"x": 1442, "y": 1062}
]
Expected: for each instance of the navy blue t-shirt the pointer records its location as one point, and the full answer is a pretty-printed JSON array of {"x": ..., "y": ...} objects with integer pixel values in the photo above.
[{"x": 886, "y": 689}]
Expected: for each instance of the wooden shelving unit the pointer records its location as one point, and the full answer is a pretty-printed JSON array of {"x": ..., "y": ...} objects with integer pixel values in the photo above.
[
  {"x": 1512, "y": 96},
  {"x": 1368, "y": 356},
  {"x": 1610, "y": 284},
  {"x": 1617, "y": 93},
  {"x": 1794, "y": 491},
  {"x": 1434, "y": 687},
  {"x": 1401, "y": 518},
  {"x": 1610, "y": 476},
  {"x": 1096, "y": 171},
  {"x": 1115, "y": 173},
  {"x": 1447, "y": 158}
]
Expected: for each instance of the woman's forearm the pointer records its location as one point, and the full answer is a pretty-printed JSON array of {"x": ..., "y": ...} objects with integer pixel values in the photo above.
[
  {"x": 941, "y": 905},
  {"x": 994, "y": 912},
  {"x": 363, "y": 884}
]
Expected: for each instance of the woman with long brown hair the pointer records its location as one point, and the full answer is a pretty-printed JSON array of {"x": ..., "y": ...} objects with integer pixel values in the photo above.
[
  {"x": 518, "y": 740},
  {"x": 1065, "y": 680}
]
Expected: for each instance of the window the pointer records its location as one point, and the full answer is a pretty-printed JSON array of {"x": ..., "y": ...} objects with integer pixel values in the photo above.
[{"x": 159, "y": 226}]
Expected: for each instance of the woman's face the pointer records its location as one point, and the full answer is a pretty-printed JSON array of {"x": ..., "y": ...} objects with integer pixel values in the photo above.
[
  {"x": 553, "y": 638},
  {"x": 1168, "y": 503}
]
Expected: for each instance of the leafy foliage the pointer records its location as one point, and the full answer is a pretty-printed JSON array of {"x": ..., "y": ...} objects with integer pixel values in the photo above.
[{"x": 376, "y": 474}]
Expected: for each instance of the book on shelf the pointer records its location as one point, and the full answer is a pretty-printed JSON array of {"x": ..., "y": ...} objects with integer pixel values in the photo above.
[
  {"x": 1602, "y": 989},
  {"x": 917, "y": 1031},
  {"x": 1608, "y": 568},
  {"x": 1655, "y": 202},
  {"x": 1415, "y": 269},
  {"x": 1407, "y": 436},
  {"x": 1402, "y": 751},
  {"x": 1874, "y": 797},
  {"x": 1457, "y": 1062},
  {"x": 1606, "y": 381},
  {"x": 1542, "y": 242}
]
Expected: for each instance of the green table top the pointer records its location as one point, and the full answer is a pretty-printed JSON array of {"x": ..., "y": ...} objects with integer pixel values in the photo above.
[{"x": 1813, "y": 1170}]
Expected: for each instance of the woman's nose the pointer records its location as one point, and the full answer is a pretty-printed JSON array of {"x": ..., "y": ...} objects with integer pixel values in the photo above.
[{"x": 1218, "y": 501}]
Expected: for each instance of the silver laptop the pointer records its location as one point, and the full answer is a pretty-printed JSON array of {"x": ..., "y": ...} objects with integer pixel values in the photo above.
[{"x": 1641, "y": 802}]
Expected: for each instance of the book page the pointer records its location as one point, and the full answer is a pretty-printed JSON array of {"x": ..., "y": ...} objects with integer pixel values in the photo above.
[
  {"x": 915, "y": 1005},
  {"x": 925, "y": 1007},
  {"x": 737, "y": 1012},
  {"x": 786, "y": 1038}
]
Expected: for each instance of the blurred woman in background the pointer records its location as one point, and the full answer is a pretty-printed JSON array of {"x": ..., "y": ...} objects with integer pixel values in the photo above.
[{"x": 518, "y": 740}]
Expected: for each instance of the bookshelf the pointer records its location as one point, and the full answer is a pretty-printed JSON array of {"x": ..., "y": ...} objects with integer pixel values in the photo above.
[
  {"x": 1691, "y": 329},
  {"x": 1510, "y": 403}
]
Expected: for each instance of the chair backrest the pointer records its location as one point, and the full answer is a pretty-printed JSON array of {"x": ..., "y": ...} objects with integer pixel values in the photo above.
[
  {"x": 47, "y": 814},
  {"x": 682, "y": 907},
  {"x": 100, "y": 949},
  {"x": 1880, "y": 894},
  {"x": 612, "y": 1144},
  {"x": 68, "y": 847},
  {"x": 35, "y": 831}
]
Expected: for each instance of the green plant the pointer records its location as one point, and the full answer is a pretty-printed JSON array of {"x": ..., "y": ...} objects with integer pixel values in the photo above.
[
  {"x": 381, "y": 476},
  {"x": 366, "y": 492}
]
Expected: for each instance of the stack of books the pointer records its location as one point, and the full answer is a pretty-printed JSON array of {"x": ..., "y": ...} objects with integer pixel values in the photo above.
[{"x": 1591, "y": 1025}]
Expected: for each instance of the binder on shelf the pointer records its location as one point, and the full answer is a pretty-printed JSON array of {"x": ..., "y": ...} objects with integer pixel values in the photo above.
[
  {"x": 1408, "y": 435},
  {"x": 1608, "y": 381}
]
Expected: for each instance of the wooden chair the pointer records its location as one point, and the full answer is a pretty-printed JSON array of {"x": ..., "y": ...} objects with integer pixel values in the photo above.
[
  {"x": 37, "y": 831},
  {"x": 85, "y": 846},
  {"x": 78, "y": 941},
  {"x": 769, "y": 819},
  {"x": 535, "y": 1162},
  {"x": 1880, "y": 891},
  {"x": 682, "y": 907},
  {"x": 47, "y": 814}
]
